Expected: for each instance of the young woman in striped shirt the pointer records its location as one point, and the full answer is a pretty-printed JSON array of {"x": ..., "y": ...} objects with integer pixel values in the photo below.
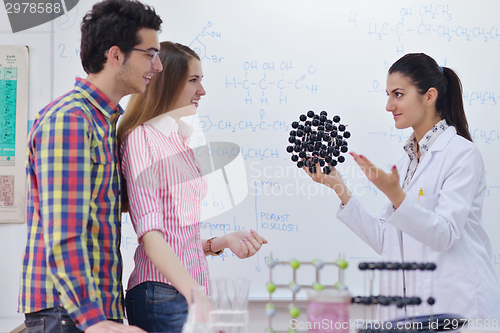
[{"x": 165, "y": 186}]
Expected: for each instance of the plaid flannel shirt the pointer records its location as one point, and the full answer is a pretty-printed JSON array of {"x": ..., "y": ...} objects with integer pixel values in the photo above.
[{"x": 72, "y": 256}]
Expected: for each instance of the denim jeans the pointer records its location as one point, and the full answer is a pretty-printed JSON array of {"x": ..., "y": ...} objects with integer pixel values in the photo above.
[
  {"x": 156, "y": 307},
  {"x": 54, "y": 319},
  {"x": 50, "y": 320}
]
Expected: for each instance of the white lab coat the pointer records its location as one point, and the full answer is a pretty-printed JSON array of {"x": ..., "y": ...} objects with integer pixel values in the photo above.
[{"x": 445, "y": 227}]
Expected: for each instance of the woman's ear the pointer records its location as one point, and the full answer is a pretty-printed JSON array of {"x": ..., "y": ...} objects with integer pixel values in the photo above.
[{"x": 431, "y": 96}]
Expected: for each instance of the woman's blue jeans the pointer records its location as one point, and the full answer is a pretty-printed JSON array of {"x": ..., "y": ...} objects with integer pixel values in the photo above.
[{"x": 156, "y": 307}]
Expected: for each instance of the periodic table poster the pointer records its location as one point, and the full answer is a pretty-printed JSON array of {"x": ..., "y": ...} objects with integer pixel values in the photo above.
[{"x": 13, "y": 132}]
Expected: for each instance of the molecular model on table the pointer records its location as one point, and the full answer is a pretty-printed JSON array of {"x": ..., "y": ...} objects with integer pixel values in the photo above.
[
  {"x": 406, "y": 302},
  {"x": 294, "y": 287}
]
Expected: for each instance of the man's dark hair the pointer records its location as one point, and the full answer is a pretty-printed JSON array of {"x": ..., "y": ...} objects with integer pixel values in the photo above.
[{"x": 110, "y": 23}]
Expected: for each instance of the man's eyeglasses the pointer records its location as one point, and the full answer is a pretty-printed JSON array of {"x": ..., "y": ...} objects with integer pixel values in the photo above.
[{"x": 151, "y": 53}]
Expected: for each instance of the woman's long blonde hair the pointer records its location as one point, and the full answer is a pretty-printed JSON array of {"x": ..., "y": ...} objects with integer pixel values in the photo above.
[
  {"x": 160, "y": 96},
  {"x": 162, "y": 92}
]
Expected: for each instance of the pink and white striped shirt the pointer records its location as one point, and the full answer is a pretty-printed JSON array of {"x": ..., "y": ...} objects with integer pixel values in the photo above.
[{"x": 165, "y": 186}]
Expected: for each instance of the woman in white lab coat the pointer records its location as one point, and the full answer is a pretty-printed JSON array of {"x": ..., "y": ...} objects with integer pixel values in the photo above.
[{"x": 435, "y": 200}]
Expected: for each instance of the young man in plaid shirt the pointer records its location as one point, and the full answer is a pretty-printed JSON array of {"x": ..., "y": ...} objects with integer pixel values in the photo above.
[{"x": 72, "y": 268}]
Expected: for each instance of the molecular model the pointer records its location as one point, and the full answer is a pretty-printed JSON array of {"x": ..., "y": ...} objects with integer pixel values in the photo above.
[
  {"x": 317, "y": 139},
  {"x": 392, "y": 269},
  {"x": 294, "y": 287}
]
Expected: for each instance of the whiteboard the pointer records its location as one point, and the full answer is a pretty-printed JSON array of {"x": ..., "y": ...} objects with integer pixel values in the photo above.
[{"x": 265, "y": 63}]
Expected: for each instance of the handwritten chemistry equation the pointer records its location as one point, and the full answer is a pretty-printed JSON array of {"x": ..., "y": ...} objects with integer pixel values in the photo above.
[
  {"x": 429, "y": 12},
  {"x": 256, "y": 79},
  {"x": 206, "y": 123}
]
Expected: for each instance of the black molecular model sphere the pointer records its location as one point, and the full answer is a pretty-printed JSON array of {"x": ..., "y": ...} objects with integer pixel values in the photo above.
[{"x": 316, "y": 139}]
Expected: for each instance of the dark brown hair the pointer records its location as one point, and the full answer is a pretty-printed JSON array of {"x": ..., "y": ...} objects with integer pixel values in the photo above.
[
  {"x": 110, "y": 23},
  {"x": 425, "y": 73}
]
